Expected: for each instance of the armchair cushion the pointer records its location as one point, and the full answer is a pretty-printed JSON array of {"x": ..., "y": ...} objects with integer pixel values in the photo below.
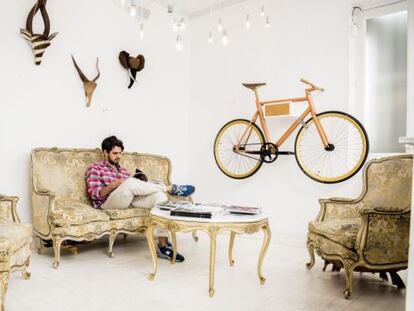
[
  {"x": 13, "y": 236},
  {"x": 76, "y": 213},
  {"x": 126, "y": 213},
  {"x": 342, "y": 231}
]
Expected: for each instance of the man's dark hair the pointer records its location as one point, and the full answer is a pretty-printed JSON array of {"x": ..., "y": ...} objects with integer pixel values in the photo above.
[{"x": 110, "y": 142}]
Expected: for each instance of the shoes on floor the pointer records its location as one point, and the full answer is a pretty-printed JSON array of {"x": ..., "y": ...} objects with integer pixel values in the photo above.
[
  {"x": 166, "y": 252},
  {"x": 182, "y": 190}
]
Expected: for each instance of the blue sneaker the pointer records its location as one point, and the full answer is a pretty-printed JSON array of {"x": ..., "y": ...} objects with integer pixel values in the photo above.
[
  {"x": 166, "y": 252},
  {"x": 182, "y": 190}
]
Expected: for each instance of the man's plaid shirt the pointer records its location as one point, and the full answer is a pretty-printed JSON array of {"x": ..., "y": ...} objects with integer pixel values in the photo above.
[{"x": 100, "y": 175}]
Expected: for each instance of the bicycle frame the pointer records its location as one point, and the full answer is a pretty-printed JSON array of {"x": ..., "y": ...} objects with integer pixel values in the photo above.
[{"x": 310, "y": 110}]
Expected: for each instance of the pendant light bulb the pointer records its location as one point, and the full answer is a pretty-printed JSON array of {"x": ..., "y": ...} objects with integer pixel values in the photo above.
[
  {"x": 133, "y": 9},
  {"x": 262, "y": 11},
  {"x": 247, "y": 21},
  {"x": 179, "y": 43},
  {"x": 267, "y": 21},
  {"x": 225, "y": 38},
  {"x": 210, "y": 37},
  {"x": 220, "y": 25},
  {"x": 141, "y": 31}
]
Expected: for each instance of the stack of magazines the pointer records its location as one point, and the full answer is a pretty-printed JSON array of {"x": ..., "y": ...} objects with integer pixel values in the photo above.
[{"x": 206, "y": 210}]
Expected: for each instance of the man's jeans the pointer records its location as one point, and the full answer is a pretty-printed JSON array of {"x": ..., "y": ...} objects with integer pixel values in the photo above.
[{"x": 133, "y": 193}]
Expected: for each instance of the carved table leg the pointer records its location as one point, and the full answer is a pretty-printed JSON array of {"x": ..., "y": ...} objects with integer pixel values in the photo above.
[
  {"x": 174, "y": 244},
  {"x": 26, "y": 274},
  {"x": 213, "y": 236},
  {"x": 265, "y": 245},
  {"x": 231, "y": 260},
  {"x": 151, "y": 244},
  {"x": 4, "y": 279}
]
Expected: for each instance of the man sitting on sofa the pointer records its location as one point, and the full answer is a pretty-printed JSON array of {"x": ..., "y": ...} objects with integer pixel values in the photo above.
[{"x": 110, "y": 186}]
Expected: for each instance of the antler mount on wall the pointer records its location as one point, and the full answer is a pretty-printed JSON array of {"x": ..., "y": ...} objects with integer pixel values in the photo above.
[
  {"x": 132, "y": 64},
  {"x": 89, "y": 85},
  {"x": 38, "y": 42}
]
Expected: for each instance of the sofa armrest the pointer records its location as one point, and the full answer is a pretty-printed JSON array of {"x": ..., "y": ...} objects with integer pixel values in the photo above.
[
  {"x": 339, "y": 208},
  {"x": 384, "y": 236},
  {"x": 8, "y": 208},
  {"x": 43, "y": 205}
]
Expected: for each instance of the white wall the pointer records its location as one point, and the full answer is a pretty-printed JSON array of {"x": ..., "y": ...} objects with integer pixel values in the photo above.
[
  {"x": 306, "y": 39},
  {"x": 45, "y": 106}
]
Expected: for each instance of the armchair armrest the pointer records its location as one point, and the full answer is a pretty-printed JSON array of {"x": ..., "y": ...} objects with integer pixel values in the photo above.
[
  {"x": 334, "y": 208},
  {"x": 43, "y": 205},
  {"x": 8, "y": 208},
  {"x": 384, "y": 236}
]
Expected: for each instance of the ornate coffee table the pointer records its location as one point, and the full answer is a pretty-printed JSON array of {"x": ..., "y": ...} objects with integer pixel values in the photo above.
[{"x": 234, "y": 223}]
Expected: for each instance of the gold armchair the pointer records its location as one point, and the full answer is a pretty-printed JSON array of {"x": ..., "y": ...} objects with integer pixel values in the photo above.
[
  {"x": 15, "y": 244},
  {"x": 370, "y": 233}
]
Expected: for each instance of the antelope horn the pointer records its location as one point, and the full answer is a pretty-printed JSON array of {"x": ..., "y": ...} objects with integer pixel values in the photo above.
[
  {"x": 81, "y": 74},
  {"x": 99, "y": 73},
  {"x": 39, "y": 5}
]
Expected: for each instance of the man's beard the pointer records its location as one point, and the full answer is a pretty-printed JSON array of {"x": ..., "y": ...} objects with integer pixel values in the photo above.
[{"x": 114, "y": 163}]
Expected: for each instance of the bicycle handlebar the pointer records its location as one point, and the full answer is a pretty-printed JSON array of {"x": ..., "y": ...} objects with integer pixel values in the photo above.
[{"x": 314, "y": 87}]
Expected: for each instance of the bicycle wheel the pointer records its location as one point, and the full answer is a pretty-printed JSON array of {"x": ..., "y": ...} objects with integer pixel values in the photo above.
[
  {"x": 350, "y": 148},
  {"x": 235, "y": 158}
]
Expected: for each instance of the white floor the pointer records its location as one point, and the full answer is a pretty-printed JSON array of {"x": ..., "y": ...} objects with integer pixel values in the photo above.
[{"x": 92, "y": 281}]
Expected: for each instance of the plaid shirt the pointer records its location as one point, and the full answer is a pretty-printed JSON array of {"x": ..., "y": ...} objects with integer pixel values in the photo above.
[{"x": 100, "y": 175}]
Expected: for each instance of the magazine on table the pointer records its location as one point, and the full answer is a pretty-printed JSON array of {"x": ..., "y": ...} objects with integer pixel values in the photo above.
[
  {"x": 243, "y": 210},
  {"x": 169, "y": 205}
]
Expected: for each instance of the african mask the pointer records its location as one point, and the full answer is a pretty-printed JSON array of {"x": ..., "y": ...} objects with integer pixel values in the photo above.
[
  {"x": 132, "y": 64},
  {"x": 88, "y": 85},
  {"x": 38, "y": 42}
]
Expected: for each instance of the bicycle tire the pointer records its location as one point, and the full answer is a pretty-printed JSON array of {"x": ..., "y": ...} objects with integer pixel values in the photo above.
[
  {"x": 335, "y": 124},
  {"x": 231, "y": 163}
]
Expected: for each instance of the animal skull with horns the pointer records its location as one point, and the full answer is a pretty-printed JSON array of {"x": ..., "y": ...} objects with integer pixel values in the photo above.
[
  {"x": 38, "y": 42},
  {"x": 88, "y": 85}
]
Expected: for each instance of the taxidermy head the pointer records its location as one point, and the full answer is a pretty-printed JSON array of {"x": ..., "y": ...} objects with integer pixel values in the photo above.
[
  {"x": 38, "y": 42},
  {"x": 88, "y": 85},
  {"x": 132, "y": 64}
]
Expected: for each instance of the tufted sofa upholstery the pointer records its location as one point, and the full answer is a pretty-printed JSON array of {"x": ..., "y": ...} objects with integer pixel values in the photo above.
[
  {"x": 15, "y": 244},
  {"x": 61, "y": 207},
  {"x": 370, "y": 233}
]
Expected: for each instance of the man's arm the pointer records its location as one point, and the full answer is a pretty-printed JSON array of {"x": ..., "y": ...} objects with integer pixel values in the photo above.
[{"x": 105, "y": 191}]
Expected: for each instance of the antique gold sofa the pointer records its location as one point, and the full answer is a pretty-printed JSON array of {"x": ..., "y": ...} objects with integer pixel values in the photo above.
[
  {"x": 15, "y": 244},
  {"x": 61, "y": 208},
  {"x": 370, "y": 233}
]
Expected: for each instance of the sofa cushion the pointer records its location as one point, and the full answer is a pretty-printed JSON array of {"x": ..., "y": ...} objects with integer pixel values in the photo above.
[
  {"x": 127, "y": 213},
  {"x": 342, "y": 231},
  {"x": 13, "y": 236},
  {"x": 76, "y": 213}
]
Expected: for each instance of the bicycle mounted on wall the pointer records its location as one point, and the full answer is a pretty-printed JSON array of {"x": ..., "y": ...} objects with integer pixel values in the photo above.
[{"x": 330, "y": 147}]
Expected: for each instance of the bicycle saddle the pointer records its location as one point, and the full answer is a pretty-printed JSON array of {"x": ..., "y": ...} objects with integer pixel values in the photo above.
[{"x": 253, "y": 86}]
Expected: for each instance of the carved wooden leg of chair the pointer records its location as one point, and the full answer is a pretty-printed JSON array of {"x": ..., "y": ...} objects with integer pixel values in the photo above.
[
  {"x": 112, "y": 238},
  {"x": 396, "y": 280},
  {"x": 4, "y": 282},
  {"x": 39, "y": 244},
  {"x": 383, "y": 276},
  {"x": 325, "y": 265},
  {"x": 310, "y": 264},
  {"x": 195, "y": 237},
  {"x": 349, "y": 267},
  {"x": 57, "y": 243},
  {"x": 125, "y": 236}
]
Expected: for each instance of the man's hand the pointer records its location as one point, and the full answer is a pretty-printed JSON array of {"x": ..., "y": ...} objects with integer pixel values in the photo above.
[{"x": 111, "y": 187}]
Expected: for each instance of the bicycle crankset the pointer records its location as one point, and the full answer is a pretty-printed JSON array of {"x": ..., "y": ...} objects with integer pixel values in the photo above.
[{"x": 269, "y": 152}]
